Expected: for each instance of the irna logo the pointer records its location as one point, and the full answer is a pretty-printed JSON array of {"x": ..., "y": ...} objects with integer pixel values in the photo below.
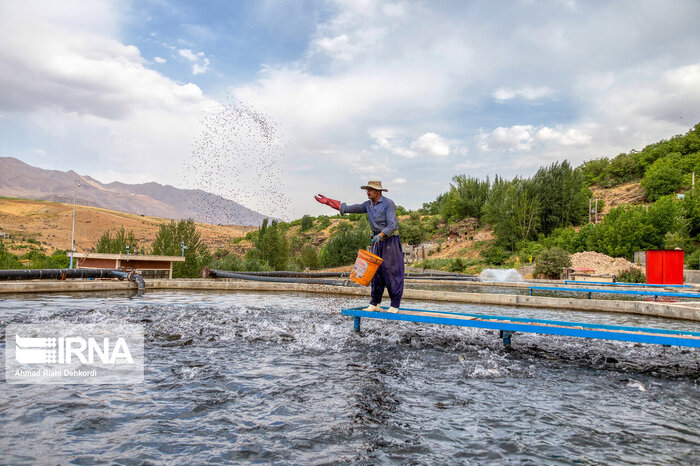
[{"x": 68, "y": 350}]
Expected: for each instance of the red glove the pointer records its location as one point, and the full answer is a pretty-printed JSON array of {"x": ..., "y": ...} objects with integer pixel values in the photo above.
[{"x": 329, "y": 202}]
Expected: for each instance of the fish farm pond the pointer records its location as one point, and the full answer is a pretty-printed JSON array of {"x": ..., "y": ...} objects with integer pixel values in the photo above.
[{"x": 282, "y": 378}]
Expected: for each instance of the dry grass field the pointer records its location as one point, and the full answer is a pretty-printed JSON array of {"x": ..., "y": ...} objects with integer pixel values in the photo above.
[{"x": 50, "y": 223}]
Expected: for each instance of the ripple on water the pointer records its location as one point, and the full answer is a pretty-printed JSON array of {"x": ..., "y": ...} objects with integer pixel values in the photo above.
[{"x": 282, "y": 378}]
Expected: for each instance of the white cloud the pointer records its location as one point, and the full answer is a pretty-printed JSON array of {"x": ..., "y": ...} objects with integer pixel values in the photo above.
[
  {"x": 199, "y": 68},
  {"x": 518, "y": 137},
  {"x": 200, "y": 63},
  {"x": 398, "y": 181},
  {"x": 381, "y": 90},
  {"x": 531, "y": 146},
  {"x": 431, "y": 144},
  {"x": 336, "y": 46},
  {"x": 384, "y": 137},
  {"x": 159, "y": 60},
  {"x": 503, "y": 94},
  {"x": 187, "y": 53},
  {"x": 92, "y": 98},
  {"x": 75, "y": 67},
  {"x": 569, "y": 137}
]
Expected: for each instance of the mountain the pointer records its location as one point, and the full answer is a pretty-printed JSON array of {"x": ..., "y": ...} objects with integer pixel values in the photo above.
[{"x": 22, "y": 180}]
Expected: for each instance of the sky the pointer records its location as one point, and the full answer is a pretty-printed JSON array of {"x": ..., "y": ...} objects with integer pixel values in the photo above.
[{"x": 270, "y": 102}]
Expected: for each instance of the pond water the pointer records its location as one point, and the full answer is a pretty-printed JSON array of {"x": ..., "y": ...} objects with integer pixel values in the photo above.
[{"x": 250, "y": 377}]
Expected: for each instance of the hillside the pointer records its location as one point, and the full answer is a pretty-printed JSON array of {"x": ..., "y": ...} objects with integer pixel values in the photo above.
[
  {"x": 152, "y": 199},
  {"x": 626, "y": 193},
  {"x": 50, "y": 224}
]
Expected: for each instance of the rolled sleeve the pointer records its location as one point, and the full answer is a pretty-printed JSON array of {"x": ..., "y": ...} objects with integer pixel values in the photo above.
[
  {"x": 392, "y": 222},
  {"x": 353, "y": 209}
]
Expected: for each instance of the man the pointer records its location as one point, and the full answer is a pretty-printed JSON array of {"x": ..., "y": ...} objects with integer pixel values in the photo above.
[{"x": 381, "y": 213}]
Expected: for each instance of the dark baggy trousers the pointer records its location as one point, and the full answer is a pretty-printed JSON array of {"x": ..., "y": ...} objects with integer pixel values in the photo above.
[{"x": 390, "y": 273}]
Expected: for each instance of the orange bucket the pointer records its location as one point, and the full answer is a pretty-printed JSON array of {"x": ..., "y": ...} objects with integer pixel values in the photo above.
[{"x": 365, "y": 267}]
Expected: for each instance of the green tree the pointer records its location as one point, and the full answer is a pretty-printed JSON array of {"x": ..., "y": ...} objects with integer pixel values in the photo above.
[
  {"x": 254, "y": 262},
  {"x": 562, "y": 196},
  {"x": 623, "y": 231},
  {"x": 690, "y": 210},
  {"x": 117, "y": 243},
  {"x": 663, "y": 177},
  {"x": 342, "y": 247},
  {"x": 310, "y": 257},
  {"x": 551, "y": 262},
  {"x": 273, "y": 245},
  {"x": 8, "y": 261},
  {"x": 169, "y": 241},
  {"x": 307, "y": 222},
  {"x": 411, "y": 230},
  {"x": 465, "y": 198},
  {"x": 59, "y": 259},
  {"x": 230, "y": 262},
  {"x": 512, "y": 212},
  {"x": 594, "y": 171},
  {"x": 621, "y": 169}
]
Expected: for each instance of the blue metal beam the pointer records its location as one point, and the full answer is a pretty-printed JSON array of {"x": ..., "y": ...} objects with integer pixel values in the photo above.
[
  {"x": 508, "y": 325},
  {"x": 674, "y": 294},
  {"x": 641, "y": 285}
]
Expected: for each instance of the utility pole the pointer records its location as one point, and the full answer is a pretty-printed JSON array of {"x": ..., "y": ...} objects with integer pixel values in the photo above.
[
  {"x": 76, "y": 185},
  {"x": 596, "y": 210}
]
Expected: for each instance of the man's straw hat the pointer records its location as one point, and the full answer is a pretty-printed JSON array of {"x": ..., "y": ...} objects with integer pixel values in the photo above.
[{"x": 374, "y": 185}]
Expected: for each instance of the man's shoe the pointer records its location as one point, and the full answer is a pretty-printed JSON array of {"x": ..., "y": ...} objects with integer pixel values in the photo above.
[
  {"x": 393, "y": 310},
  {"x": 372, "y": 308}
]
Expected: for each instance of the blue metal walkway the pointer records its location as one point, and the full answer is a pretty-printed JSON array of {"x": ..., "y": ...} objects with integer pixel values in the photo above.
[
  {"x": 508, "y": 325},
  {"x": 639, "y": 285},
  {"x": 655, "y": 294}
]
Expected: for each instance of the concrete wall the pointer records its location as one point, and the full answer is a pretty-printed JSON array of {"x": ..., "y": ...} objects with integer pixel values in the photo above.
[
  {"x": 691, "y": 276},
  {"x": 685, "y": 311}
]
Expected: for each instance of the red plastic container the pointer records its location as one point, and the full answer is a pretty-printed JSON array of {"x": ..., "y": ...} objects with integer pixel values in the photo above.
[{"x": 664, "y": 267}]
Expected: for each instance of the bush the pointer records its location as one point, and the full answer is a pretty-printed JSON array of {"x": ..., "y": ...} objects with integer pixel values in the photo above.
[
  {"x": 342, "y": 247},
  {"x": 169, "y": 241},
  {"x": 411, "y": 231},
  {"x": 465, "y": 198},
  {"x": 551, "y": 262},
  {"x": 59, "y": 259},
  {"x": 273, "y": 245},
  {"x": 594, "y": 171},
  {"x": 254, "y": 262},
  {"x": 295, "y": 265},
  {"x": 323, "y": 222},
  {"x": 663, "y": 177},
  {"x": 306, "y": 222},
  {"x": 495, "y": 255},
  {"x": 118, "y": 243},
  {"x": 631, "y": 275},
  {"x": 457, "y": 265},
  {"x": 232, "y": 263},
  {"x": 309, "y": 257},
  {"x": 692, "y": 260},
  {"x": 528, "y": 250}
]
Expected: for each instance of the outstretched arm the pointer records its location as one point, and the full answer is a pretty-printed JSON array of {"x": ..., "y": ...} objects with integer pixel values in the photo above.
[
  {"x": 329, "y": 202},
  {"x": 353, "y": 208}
]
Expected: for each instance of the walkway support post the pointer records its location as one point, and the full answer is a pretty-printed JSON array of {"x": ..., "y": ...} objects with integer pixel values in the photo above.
[{"x": 506, "y": 334}]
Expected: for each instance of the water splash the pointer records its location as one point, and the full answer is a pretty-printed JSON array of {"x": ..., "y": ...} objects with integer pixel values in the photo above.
[{"x": 500, "y": 275}]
